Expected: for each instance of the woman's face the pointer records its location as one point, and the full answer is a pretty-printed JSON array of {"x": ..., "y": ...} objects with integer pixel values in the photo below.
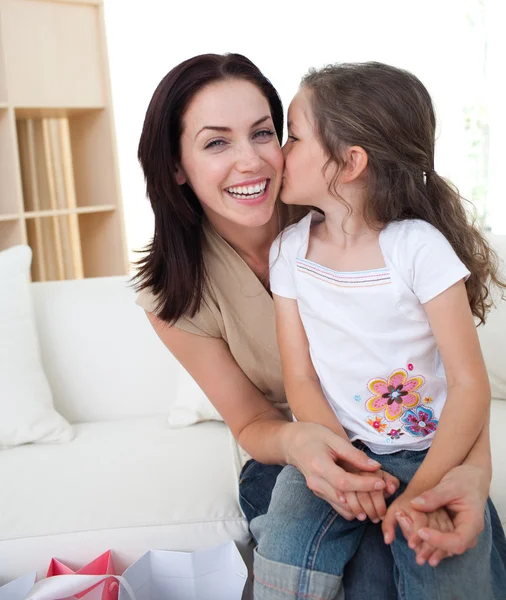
[
  {"x": 304, "y": 180},
  {"x": 230, "y": 155}
]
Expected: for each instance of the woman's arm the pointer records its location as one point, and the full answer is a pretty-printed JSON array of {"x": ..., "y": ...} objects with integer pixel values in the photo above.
[
  {"x": 254, "y": 422},
  {"x": 259, "y": 427},
  {"x": 468, "y": 399},
  {"x": 302, "y": 385}
]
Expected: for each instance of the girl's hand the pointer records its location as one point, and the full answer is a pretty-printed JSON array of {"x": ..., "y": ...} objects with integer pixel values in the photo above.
[
  {"x": 371, "y": 504},
  {"x": 317, "y": 453},
  {"x": 400, "y": 508},
  {"x": 439, "y": 520}
]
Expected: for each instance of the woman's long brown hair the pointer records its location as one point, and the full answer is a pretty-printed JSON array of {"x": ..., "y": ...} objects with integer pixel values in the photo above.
[{"x": 172, "y": 267}]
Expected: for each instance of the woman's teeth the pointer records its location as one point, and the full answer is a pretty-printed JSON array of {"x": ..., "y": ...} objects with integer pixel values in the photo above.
[{"x": 248, "y": 191}]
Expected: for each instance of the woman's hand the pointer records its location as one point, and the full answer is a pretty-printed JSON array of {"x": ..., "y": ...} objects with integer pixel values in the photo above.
[
  {"x": 321, "y": 455},
  {"x": 463, "y": 491}
]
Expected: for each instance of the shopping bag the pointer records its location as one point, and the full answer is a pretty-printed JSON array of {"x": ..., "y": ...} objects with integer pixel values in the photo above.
[
  {"x": 102, "y": 565},
  {"x": 19, "y": 588},
  {"x": 67, "y": 586},
  {"x": 216, "y": 573}
]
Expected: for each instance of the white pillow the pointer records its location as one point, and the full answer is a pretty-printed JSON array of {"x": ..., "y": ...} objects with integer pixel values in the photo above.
[
  {"x": 493, "y": 333},
  {"x": 191, "y": 405},
  {"x": 26, "y": 404}
]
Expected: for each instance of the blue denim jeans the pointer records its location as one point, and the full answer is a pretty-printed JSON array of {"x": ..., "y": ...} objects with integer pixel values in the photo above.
[{"x": 303, "y": 545}]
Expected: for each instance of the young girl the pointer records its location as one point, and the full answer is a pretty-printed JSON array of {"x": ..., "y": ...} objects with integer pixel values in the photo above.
[{"x": 375, "y": 296}]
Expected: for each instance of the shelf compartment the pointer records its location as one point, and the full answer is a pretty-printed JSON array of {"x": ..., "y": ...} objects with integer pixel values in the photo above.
[
  {"x": 51, "y": 54},
  {"x": 67, "y": 159},
  {"x": 102, "y": 245},
  {"x": 56, "y": 246}
]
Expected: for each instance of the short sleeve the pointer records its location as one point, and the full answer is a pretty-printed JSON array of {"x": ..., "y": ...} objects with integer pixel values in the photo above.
[
  {"x": 203, "y": 323},
  {"x": 435, "y": 266},
  {"x": 282, "y": 281}
]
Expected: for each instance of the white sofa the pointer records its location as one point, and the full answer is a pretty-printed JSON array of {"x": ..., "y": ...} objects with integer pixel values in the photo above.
[{"x": 128, "y": 482}]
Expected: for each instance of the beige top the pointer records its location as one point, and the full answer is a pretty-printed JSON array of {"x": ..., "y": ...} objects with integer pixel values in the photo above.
[{"x": 237, "y": 308}]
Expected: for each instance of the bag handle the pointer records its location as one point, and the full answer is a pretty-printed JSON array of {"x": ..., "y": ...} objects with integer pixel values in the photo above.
[{"x": 63, "y": 586}]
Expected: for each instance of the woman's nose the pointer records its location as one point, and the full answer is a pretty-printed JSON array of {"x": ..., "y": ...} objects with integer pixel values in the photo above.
[{"x": 249, "y": 159}]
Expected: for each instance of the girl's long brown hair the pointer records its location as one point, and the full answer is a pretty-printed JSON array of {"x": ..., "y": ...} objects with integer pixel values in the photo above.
[{"x": 389, "y": 113}]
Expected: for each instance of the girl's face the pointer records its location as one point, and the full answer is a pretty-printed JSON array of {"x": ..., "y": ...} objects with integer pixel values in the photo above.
[
  {"x": 230, "y": 155},
  {"x": 304, "y": 181}
]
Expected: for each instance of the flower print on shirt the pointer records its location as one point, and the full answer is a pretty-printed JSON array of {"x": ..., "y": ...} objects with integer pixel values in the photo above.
[
  {"x": 420, "y": 421},
  {"x": 395, "y": 394},
  {"x": 377, "y": 424},
  {"x": 395, "y": 434}
]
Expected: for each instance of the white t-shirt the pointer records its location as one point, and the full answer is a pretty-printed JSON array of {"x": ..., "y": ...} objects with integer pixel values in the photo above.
[{"x": 370, "y": 340}]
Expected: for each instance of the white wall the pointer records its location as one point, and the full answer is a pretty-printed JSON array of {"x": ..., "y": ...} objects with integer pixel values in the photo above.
[{"x": 146, "y": 38}]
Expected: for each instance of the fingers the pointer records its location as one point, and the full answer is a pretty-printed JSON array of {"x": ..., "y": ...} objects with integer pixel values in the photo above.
[
  {"x": 389, "y": 525},
  {"x": 321, "y": 488},
  {"x": 456, "y": 542},
  {"x": 444, "y": 521},
  {"x": 349, "y": 482},
  {"x": 406, "y": 524},
  {"x": 380, "y": 507},
  {"x": 391, "y": 484},
  {"x": 437, "y": 497},
  {"x": 419, "y": 520},
  {"x": 441, "y": 521},
  {"x": 423, "y": 552},
  {"x": 437, "y": 557},
  {"x": 354, "y": 505},
  {"x": 445, "y": 525},
  {"x": 347, "y": 452},
  {"x": 368, "y": 506}
]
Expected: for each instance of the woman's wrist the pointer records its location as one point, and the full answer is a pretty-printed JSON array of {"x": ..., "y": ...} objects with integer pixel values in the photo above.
[{"x": 287, "y": 440}]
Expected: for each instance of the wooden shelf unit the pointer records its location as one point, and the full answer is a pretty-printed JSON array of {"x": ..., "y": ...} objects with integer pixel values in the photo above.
[{"x": 59, "y": 181}]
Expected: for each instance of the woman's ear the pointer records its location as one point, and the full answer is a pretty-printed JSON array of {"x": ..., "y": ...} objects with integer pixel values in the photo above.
[
  {"x": 180, "y": 175},
  {"x": 356, "y": 164}
]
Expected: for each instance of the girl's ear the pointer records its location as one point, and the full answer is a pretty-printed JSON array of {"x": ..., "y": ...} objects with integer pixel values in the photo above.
[
  {"x": 356, "y": 164},
  {"x": 180, "y": 175}
]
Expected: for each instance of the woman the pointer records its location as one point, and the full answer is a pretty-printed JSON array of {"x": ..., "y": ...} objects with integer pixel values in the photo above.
[{"x": 210, "y": 151}]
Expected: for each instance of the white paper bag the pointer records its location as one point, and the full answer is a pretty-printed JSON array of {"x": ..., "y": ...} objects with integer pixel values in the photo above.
[
  {"x": 19, "y": 588},
  {"x": 216, "y": 573}
]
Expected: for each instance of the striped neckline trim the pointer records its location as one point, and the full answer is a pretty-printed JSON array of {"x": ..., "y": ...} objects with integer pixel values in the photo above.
[{"x": 369, "y": 278}]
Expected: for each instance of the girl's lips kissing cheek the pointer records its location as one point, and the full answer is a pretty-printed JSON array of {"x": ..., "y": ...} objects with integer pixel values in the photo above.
[{"x": 251, "y": 193}]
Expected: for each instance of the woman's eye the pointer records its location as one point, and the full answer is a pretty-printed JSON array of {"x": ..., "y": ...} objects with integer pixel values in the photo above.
[
  {"x": 214, "y": 144},
  {"x": 292, "y": 138},
  {"x": 264, "y": 133}
]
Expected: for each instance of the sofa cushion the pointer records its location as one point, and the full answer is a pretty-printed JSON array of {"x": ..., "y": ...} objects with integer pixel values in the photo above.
[
  {"x": 492, "y": 333},
  {"x": 154, "y": 488},
  {"x": 498, "y": 446},
  {"x": 27, "y": 413},
  {"x": 101, "y": 355}
]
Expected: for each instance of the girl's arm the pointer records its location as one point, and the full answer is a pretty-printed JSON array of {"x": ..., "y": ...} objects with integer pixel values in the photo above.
[
  {"x": 480, "y": 455},
  {"x": 467, "y": 406},
  {"x": 302, "y": 385}
]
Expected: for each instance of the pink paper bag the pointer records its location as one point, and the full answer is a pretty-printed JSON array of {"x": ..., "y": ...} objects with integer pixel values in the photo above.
[{"x": 103, "y": 565}]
